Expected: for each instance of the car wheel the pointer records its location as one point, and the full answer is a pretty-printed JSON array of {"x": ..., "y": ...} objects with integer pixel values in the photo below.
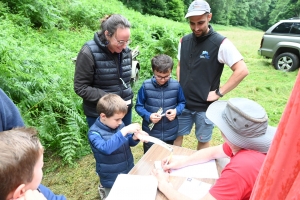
[{"x": 286, "y": 62}]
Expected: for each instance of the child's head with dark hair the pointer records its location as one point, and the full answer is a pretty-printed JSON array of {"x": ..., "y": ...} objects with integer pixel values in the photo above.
[
  {"x": 21, "y": 155},
  {"x": 162, "y": 63},
  {"x": 162, "y": 66}
]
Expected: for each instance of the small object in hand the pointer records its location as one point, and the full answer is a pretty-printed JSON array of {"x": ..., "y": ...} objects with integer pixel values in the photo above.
[
  {"x": 160, "y": 110},
  {"x": 169, "y": 158},
  {"x": 165, "y": 114}
]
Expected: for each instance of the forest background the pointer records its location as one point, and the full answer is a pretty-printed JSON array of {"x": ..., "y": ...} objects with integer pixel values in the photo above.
[{"x": 39, "y": 38}]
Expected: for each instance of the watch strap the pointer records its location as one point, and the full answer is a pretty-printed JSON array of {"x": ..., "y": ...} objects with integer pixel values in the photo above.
[{"x": 219, "y": 93}]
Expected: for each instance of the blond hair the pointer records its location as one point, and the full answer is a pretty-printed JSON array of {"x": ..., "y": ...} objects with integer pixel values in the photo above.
[
  {"x": 111, "y": 104},
  {"x": 20, "y": 150}
]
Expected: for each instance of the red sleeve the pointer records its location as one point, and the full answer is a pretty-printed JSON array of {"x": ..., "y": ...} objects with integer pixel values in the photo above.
[
  {"x": 227, "y": 150},
  {"x": 229, "y": 186}
]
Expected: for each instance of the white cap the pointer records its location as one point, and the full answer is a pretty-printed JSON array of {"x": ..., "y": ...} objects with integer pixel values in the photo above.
[{"x": 198, "y": 7}]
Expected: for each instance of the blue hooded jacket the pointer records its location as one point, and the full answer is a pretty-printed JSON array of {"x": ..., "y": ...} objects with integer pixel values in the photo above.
[{"x": 111, "y": 151}]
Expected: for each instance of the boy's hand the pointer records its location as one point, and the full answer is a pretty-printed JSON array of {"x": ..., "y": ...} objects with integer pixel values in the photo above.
[
  {"x": 171, "y": 114},
  {"x": 131, "y": 128},
  {"x": 155, "y": 117},
  {"x": 140, "y": 135}
]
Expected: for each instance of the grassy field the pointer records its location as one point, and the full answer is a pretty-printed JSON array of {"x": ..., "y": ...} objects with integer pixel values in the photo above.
[{"x": 265, "y": 85}]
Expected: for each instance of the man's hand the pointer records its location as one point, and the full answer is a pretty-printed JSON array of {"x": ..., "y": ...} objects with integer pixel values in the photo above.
[{"x": 212, "y": 96}]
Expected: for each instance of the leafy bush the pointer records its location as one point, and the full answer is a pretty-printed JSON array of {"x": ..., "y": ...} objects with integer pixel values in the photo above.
[
  {"x": 36, "y": 67},
  {"x": 41, "y": 13},
  {"x": 37, "y": 73}
]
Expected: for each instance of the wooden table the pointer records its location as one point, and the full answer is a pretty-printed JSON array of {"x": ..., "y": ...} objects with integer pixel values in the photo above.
[{"x": 145, "y": 165}]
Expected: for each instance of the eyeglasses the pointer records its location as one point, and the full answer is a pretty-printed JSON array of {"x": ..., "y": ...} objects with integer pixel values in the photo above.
[
  {"x": 122, "y": 42},
  {"x": 163, "y": 77}
]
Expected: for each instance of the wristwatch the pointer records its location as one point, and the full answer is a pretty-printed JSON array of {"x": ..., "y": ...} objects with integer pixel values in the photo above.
[{"x": 219, "y": 93}]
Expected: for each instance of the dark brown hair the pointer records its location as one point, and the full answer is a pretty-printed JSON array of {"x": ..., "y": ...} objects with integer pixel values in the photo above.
[
  {"x": 162, "y": 63},
  {"x": 111, "y": 23},
  {"x": 110, "y": 104}
]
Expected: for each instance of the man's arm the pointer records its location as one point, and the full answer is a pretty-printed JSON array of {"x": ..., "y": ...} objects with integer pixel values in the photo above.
[
  {"x": 240, "y": 71},
  {"x": 169, "y": 191},
  {"x": 167, "y": 188},
  {"x": 200, "y": 156}
]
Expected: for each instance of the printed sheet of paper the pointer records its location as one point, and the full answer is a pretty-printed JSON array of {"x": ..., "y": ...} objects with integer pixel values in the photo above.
[
  {"x": 194, "y": 188},
  {"x": 203, "y": 170},
  {"x": 133, "y": 187}
]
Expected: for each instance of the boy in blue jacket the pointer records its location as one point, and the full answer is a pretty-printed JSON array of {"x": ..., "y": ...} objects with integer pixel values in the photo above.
[
  {"x": 110, "y": 141},
  {"x": 161, "y": 91},
  {"x": 21, "y": 166}
]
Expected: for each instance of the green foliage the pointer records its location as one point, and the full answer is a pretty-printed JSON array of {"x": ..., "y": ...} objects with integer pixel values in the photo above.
[
  {"x": 83, "y": 15},
  {"x": 155, "y": 7},
  {"x": 220, "y": 10},
  {"x": 40, "y": 13},
  {"x": 171, "y": 9},
  {"x": 284, "y": 10},
  {"x": 137, "y": 5},
  {"x": 38, "y": 77},
  {"x": 176, "y": 10}
]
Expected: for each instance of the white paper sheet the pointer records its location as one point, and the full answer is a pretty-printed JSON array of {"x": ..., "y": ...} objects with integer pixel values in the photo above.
[
  {"x": 194, "y": 188},
  {"x": 203, "y": 170},
  {"x": 133, "y": 187}
]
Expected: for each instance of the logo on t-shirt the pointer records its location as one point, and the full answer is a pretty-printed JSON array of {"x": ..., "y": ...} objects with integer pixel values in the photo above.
[{"x": 204, "y": 55}]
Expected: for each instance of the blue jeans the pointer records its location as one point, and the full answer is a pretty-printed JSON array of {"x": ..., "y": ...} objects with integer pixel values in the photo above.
[
  {"x": 126, "y": 119},
  {"x": 203, "y": 126}
]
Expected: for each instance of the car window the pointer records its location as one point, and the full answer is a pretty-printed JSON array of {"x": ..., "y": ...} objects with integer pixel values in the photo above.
[
  {"x": 283, "y": 28},
  {"x": 296, "y": 28}
]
